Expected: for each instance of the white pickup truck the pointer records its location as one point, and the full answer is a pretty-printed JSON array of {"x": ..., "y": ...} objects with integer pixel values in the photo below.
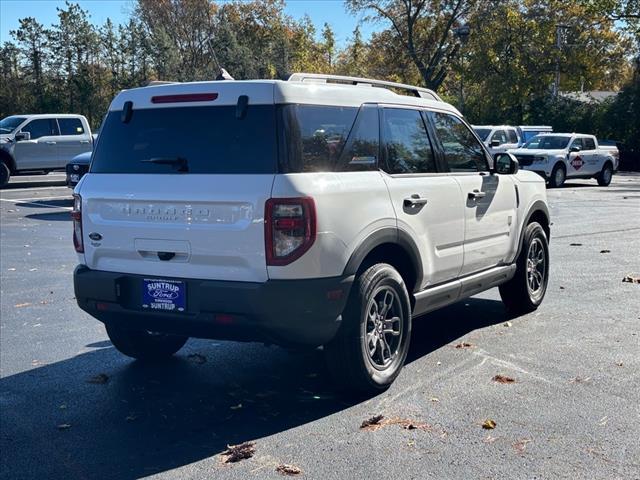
[
  {"x": 41, "y": 142},
  {"x": 559, "y": 156}
]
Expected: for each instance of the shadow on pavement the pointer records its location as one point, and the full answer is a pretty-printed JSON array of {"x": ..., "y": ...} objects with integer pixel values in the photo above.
[
  {"x": 51, "y": 217},
  {"x": 148, "y": 419},
  {"x": 35, "y": 203}
]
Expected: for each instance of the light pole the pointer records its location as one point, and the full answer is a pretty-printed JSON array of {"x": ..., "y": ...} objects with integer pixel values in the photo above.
[{"x": 462, "y": 32}]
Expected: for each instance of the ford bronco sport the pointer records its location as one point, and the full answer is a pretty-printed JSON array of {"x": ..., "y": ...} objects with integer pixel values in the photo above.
[{"x": 318, "y": 211}]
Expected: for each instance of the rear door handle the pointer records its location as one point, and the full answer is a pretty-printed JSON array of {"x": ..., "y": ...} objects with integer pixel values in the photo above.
[
  {"x": 415, "y": 200},
  {"x": 84, "y": 141},
  {"x": 476, "y": 194},
  {"x": 50, "y": 143}
]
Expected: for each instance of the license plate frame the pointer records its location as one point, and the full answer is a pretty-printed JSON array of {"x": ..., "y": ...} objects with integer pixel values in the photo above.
[{"x": 164, "y": 295}]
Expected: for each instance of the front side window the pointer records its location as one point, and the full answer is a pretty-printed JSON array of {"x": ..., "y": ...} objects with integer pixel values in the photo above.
[
  {"x": 500, "y": 136},
  {"x": 70, "y": 126},
  {"x": 462, "y": 151},
  {"x": 407, "y": 144},
  {"x": 577, "y": 143},
  {"x": 42, "y": 127}
]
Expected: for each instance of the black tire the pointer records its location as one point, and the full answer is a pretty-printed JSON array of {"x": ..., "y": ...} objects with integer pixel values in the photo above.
[
  {"x": 605, "y": 176},
  {"x": 379, "y": 290},
  {"x": 5, "y": 174},
  {"x": 144, "y": 345},
  {"x": 558, "y": 175},
  {"x": 517, "y": 294}
]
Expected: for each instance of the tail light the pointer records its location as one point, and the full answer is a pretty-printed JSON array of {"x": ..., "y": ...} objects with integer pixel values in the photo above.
[
  {"x": 290, "y": 229},
  {"x": 76, "y": 215}
]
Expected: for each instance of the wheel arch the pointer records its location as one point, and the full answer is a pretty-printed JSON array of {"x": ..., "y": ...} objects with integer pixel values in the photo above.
[
  {"x": 392, "y": 246},
  {"x": 6, "y": 157},
  {"x": 538, "y": 212}
]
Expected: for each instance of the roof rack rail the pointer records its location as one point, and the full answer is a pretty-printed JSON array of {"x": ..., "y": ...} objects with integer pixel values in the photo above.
[{"x": 323, "y": 78}]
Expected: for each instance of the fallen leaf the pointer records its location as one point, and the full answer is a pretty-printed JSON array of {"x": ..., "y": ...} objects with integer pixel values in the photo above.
[
  {"x": 99, "y": 379},
  {"x": 286, "y": 469},
  {"x": 464, "y": 345},
  {"x": 489, "y": 424},
  {"x": 627, "y": 279},
  {"x": 438, "y": 363},
  {"x": 197, "y": 358},
  {"x": 619, "y": 364},
  {"x": 64, "y": 426},
  {"x": 561, "y": 287},
  {"x": 503, "y": 379},
  {"x": 20, "y": 305},
  {"x": 580, "y": 380},
  {"x": 235, "y": 453},
  {"x": 507, "y": 324},
  {"x": 521, "y": 445},
  {"x": 605, "y": 251},
  {"x": 435, "y": 399},
  {"x": 37, "y": 363},
  {"x": 489, "y": 439},
  {"x": 575, "y": 244},
  {"x": 236, "y": 407},
  {"x": 375, "y": 420}
]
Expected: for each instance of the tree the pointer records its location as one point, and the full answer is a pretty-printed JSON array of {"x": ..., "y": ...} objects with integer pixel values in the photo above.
[{"x": 423, "y": 29}]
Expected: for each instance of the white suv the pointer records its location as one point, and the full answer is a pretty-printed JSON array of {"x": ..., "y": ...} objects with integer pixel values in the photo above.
[{"x": 314, "y": 211}]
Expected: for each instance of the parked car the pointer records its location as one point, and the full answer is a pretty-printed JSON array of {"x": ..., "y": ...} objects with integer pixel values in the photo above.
[
  {"x": 498, "y": 138},
  {"x": 41, "y": 142},
  {"x": 614, "y": 148},
  {"x": 559, "y": 156},
  {"x": 314, "y": 211},
  {"x": 77, "y": 167}
]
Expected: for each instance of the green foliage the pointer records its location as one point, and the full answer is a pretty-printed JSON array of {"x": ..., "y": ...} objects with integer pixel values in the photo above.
[{"x": 501, "y": 73}]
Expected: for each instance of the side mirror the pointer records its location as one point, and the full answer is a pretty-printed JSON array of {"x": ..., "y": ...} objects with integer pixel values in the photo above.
[
  {"x": 574, "y": 149},
  {"x": 495, "y": 143},
  {"x": 22, "y": 136},
  {"x": 505, "y": 164}
]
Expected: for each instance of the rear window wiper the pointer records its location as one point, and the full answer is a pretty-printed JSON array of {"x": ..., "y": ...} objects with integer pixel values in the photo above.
[{"x": 179, "y": 162}]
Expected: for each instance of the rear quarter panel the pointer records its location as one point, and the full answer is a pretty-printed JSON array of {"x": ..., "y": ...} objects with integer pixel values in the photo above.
[{"x": 350, "y": 206}]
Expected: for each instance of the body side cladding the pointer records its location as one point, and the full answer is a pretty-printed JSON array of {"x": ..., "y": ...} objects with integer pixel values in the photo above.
[{"x": 393, "y": 236}]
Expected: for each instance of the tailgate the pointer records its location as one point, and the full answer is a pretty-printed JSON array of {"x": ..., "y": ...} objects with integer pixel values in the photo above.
[{"x": 185, "y": 226}]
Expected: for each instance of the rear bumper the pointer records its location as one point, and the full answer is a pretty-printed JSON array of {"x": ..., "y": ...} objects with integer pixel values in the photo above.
[{"x": 289, "y": 312}]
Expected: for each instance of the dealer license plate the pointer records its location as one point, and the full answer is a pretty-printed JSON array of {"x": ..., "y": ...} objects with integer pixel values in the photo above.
[{"x": 164, "y": 295}]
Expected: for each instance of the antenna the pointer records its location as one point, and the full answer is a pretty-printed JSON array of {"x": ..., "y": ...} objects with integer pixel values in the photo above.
[{"x": 222, "y": 73}]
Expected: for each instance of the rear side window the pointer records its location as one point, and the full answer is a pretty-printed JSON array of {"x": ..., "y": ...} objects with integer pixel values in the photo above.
[
  {"x": 70, "y": 126},
  {"x": 407, "y": 145},
  {"x": 362, "y": 148},
  {"x": 512, "y": 136},
  {"x": 211, "y": 140},
  {"x": 589, "y": 144},
  {"x": 462, "y": 151},
  {"x": 42, "y": 127},
  {"x": 313, "y": 136}
]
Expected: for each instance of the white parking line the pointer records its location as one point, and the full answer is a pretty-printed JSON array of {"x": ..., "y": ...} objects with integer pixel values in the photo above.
[{"x": 38, "y": 188}]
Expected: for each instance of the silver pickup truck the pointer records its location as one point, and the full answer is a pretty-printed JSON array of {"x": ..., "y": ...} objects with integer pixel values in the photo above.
[{"x": 43, "y": 142}]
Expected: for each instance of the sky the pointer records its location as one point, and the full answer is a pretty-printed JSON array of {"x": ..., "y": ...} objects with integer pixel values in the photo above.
[{"x": 44, "y": 11}]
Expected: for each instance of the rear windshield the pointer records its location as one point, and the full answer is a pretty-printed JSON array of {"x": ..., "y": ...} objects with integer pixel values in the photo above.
[{"x": 211, "y": 140}]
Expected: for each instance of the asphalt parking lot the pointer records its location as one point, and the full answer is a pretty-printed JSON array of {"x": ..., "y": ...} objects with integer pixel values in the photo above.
[{"x": 74, "y": 408}]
